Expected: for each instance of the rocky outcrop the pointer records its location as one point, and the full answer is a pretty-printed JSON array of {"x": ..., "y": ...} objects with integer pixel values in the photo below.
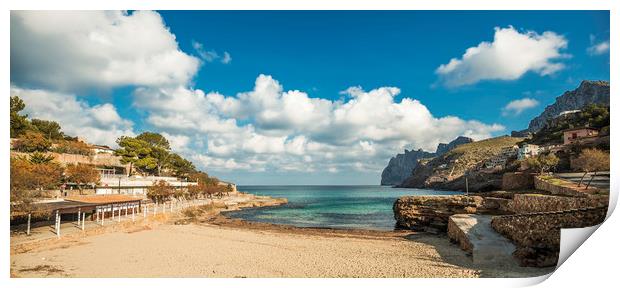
[
  {"x": 589, "y": 92},
  {"x": 443, "y": 148},
  {"x": 401, "y": 166},
  {"x": 462, "y": 167},
  {"x": 431, "y": 213}
]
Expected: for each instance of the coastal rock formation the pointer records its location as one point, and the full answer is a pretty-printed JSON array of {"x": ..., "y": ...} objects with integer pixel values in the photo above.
[
  {"x": 431, "y": 213},
  {"x": 589, "y": 92},
  {"x": 466, "y": 161},
  {"x": 400, "y": 167},
  {"x": 443, "y": 148}
]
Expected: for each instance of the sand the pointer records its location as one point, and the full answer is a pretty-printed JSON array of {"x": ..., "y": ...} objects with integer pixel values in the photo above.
[{"x": 207, "y": 250}]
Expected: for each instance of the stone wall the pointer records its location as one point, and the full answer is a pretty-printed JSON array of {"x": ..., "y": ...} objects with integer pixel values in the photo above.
[
  {"x": 529, "y": 203},
  {"x": 537, "y": 235},
  {"x": 517, "y": 181},
  {"x": 431, "y": 213}
]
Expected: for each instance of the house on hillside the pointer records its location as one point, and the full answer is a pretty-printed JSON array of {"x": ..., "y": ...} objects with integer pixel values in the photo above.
[
  {"x": 102, "y": 149},
  {"x": 582, "y": 134},
  {"x": 500, "y": 160},
  {"x": 527, "y": 151}
]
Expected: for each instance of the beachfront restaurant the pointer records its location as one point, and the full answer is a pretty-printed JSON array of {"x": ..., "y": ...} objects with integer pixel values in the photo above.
[{"x": 96, "y": 207}]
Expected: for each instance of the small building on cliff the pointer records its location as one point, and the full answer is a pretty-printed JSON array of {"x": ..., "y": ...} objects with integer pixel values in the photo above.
[
  {"x": 527, "y": 151},
  {"x": 583, "y": 134}
]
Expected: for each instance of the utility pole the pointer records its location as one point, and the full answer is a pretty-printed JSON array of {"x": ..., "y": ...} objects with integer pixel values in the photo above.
[{"x": 466, "y": 186}]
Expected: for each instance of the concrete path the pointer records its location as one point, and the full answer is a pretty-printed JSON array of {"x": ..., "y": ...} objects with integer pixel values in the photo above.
[
  {"x": 487, "y": 246},
  {"x": 600, "y": 181}
]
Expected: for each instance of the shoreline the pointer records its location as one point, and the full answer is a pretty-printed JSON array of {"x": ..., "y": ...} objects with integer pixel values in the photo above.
[{"x": 213, "y": 245}]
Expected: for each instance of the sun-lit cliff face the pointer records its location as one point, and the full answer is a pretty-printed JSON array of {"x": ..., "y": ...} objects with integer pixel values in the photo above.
[
  {"x": 588, "y": 92},
  {"x": 400, "y": 166}
]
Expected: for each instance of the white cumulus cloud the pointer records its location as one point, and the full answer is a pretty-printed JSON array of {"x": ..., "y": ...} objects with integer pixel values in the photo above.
[
  {"x": 599, "y": 48},
  {"x": 68, "y": 50},
  {"x": 210, "y": 55},
  {"x": 273, "y": 129},
  {"x": 98, "y": 124},
  {"x": 516, "y": 107},
  {"x": 268, "y": 128},
  {"x": 508, "y": 57}
]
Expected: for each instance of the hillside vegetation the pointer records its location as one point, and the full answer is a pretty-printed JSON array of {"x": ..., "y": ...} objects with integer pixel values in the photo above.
[
  {"x": 447, "y": 171},
  {"x": 593, "y": 115}
]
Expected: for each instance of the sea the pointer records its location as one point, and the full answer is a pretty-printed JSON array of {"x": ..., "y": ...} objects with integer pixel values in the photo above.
[{"x": 343, "y": 207}]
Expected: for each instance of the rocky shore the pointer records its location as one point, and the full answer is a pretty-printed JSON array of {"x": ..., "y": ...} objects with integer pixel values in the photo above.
[{"x": 531, "y": 219}]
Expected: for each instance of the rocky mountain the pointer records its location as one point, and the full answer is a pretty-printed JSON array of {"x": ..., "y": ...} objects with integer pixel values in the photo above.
[
  {"x": 400, "y": 166},
  {"x": 447, "y": 172},
  {"x": 588, "y": 92},
  {"x": 442, "y": 148}
]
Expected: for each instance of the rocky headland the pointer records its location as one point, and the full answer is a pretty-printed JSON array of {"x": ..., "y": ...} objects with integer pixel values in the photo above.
[
  {"x": 450, "y": 170},
  {"x": 400, "y": 166}
]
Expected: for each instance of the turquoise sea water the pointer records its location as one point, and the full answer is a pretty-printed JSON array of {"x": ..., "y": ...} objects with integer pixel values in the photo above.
[{"x": 360, "y": 207}]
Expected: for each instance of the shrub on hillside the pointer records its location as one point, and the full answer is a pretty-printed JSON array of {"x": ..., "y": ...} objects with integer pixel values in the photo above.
[{"x": 32, "y": 142}]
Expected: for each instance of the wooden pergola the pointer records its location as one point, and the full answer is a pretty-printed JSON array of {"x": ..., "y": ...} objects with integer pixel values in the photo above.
[{"x": 98, "y": 207}]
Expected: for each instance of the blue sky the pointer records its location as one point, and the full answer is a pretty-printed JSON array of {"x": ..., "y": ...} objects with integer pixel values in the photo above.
[
  {"x": 326, "y": 52},
  {"x": 320, "y": 54}
]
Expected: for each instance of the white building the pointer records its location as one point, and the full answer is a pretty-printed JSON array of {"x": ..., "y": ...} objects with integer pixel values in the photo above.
[
  {"x": 135, "y": 185},
  {"x": 102, "y": 149},
  {"x": 527, "y": 151},
  {"x": 501, "y": 159}
]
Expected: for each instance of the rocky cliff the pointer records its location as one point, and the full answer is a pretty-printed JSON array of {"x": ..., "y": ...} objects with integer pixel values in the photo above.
[
  {"x": 589, "y": 92},
  {"x": 446, "y": 172},
  {"x": 442, "y": 148},
  {"x": 401, "y": 166}
]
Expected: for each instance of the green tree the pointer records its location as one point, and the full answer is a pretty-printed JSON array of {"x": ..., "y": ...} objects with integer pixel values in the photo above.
[
  {"x": 180, "y": 166},
  {"x": 19, "y": 123},
  {"x": 50, "y": 129},
  {"x": 591, "y": 160},
  {"x": 40, "y": 158},
  {"x": 32, "y": 141},
  {"x": 542, "y": 162},
  {"x": 133, "y": 152},
  {"x": 154, "y": 140},
  {"x": 159, "y": 146}
]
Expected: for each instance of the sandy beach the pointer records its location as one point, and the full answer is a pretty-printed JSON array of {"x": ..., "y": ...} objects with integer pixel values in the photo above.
[{"x": 237, "y": 249}]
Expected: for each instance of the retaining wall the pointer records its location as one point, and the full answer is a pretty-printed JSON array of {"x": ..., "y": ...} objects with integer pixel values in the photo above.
[
  {"x": 537, "y": 235},
  {"x": 530, "y": 203}
]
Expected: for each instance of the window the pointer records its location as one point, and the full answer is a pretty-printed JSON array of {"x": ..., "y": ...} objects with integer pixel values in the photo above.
[{"x": 574, "y": 136}]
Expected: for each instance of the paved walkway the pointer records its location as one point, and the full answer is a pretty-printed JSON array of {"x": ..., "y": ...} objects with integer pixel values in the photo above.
[{"x": 488, "y": 246}]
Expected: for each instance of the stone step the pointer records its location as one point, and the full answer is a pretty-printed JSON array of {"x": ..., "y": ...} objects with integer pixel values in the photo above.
[{"x": 476, "y": 236}]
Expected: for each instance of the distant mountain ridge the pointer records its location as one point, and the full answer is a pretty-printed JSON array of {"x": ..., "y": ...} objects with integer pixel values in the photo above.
[
  {"x": 400, "y": 166},
  {"x": 588, "y": 92}
]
